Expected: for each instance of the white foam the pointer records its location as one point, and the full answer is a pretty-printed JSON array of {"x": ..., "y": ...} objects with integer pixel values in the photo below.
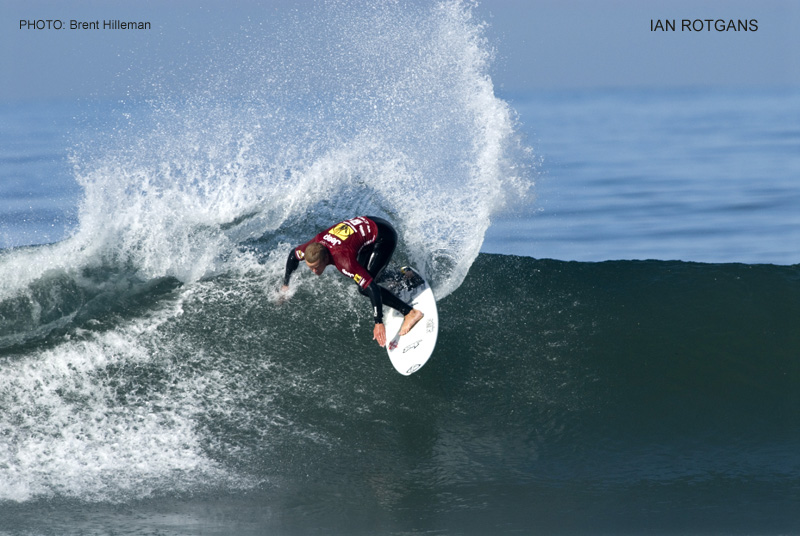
[{"x": 69, "y": 429}]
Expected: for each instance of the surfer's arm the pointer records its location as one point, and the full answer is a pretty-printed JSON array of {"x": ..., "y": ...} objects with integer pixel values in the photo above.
[
  {"x": 291, "y": 265},
  {"x": 374, "y": 293},
  {"x": 379, "y": 331}
]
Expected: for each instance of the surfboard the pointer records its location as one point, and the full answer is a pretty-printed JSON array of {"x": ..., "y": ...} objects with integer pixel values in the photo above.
[{"x": 410, "y": 352}]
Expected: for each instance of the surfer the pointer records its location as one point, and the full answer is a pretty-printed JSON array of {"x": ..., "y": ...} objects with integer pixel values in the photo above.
[{"x": 360, "y": 248}]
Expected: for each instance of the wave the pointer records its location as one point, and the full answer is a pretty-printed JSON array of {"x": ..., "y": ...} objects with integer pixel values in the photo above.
[{"x": 546, "y": 372}]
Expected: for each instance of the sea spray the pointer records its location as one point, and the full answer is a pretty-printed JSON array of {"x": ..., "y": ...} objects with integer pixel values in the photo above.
[{"x": 348, "y": 108}]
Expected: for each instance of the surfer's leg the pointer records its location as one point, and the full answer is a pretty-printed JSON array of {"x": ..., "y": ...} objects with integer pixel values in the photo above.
[
  {"x": 394, "y": 302},
  {"x": 410, "y": 321},
  {"x": 389, "y": 299},
  {"x": 376, "y": 257},
  {"x": 375, "y": 260},
  {"x": 411, "y": 315}
]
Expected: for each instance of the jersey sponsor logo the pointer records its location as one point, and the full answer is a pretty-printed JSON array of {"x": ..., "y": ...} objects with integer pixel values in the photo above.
[
  {"x": 331, "y": 240},
  {"x": 342, "y": 231},
  {"x": 355, "y": 277},
  {"x": 300, "y": 254},
  {"x": 360, "y": 224}
]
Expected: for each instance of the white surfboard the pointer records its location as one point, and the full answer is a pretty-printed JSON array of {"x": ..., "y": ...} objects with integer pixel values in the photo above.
[{"x": 409, "y": 352}]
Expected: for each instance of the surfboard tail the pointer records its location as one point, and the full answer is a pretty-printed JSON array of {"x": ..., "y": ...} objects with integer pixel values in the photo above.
[{"x": 406, "y": 279}]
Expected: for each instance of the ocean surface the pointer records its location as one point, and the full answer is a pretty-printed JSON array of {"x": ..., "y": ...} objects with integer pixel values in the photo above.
[{"x": 617, "y": 274}]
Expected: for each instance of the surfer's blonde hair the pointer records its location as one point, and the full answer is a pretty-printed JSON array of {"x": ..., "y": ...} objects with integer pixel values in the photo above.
[{"x": 315, "y": 252}]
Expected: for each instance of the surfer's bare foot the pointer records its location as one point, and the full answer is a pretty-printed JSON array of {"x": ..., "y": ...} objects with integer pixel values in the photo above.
[{"x": 410, "y": 320}]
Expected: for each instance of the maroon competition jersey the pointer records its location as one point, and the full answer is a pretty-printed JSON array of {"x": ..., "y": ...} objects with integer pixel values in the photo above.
[{"x": 344, "y": 241}]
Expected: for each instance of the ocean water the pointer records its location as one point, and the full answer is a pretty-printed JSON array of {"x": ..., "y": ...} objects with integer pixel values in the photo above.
[
  {"x": 706, "y": 175},
  {"x": 616, "y": 272}
]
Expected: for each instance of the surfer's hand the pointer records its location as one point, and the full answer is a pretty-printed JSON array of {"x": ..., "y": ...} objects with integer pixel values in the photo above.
[
  {"x": 283, "y": 295},
  {"x": 379, "y": 334}
]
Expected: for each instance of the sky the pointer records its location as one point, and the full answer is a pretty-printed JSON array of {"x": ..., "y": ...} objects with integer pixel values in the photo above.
[{"x": 539, "y": 44}]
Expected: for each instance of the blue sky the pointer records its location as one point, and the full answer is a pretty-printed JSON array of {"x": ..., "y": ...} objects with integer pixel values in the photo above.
[{"x": 540, "y": 44}]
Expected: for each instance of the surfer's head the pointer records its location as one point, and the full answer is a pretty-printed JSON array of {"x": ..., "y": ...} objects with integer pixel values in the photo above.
[{"x": 317, "y": 257}]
